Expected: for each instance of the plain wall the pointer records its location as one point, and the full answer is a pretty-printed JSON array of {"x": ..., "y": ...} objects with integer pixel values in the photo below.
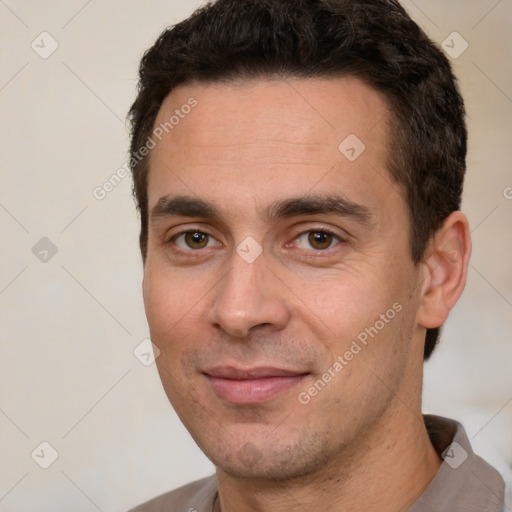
[{"x": 70, "y": 324}]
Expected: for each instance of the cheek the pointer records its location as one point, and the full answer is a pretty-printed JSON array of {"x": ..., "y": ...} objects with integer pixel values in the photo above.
[
  {"x": 168, "y": 301},
  {"x": 359, "y": 317},
  {"x": 344, "y": 302},
  {"x": 172, "y": 309}
]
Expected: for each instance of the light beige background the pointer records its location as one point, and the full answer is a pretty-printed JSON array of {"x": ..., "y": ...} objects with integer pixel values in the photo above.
[{"x": 69, "y": 325}]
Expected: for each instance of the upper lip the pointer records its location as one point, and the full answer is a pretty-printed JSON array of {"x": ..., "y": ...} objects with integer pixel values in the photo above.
[{"x": 261, "y": 372}]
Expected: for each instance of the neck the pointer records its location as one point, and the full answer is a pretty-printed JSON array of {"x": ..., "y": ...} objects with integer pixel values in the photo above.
[{"x": 387, "y": 471}]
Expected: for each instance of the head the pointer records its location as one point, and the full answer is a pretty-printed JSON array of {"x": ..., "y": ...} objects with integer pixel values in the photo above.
[{"x": 337, "y": 116}]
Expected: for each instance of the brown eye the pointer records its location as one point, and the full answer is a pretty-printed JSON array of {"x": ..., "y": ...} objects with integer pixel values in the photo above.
[
  {"x": 196, "y": 239},
  {"x": 320, "y": 239},
  {"x": 317, "y": 240}
]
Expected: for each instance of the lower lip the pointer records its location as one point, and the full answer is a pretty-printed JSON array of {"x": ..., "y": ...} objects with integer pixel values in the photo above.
[{"x": 252, "y": 391}]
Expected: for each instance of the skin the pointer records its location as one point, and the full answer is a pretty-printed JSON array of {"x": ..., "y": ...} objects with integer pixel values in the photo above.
[{"x": 360, "y": 442}]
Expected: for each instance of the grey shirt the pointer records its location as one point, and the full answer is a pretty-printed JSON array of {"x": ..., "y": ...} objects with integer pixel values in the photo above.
[{"x": 464, "y": 482}]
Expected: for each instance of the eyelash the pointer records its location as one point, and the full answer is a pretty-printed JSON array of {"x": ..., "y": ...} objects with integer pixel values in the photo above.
[
  {"x": 316, "y": 252},
  {"x": 325, "y": 231}
]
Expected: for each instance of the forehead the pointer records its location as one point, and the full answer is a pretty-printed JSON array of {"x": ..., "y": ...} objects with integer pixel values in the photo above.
[
  {"x": 265, "y": 138},
  {"x": 301, "y": 110}
]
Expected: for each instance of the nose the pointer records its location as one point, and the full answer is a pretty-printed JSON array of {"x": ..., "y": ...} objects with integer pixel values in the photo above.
[{"x": 249, "y": 296}]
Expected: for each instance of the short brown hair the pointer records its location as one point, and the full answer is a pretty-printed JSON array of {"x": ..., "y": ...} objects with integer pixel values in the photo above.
[{"x": 374, "y": 40}]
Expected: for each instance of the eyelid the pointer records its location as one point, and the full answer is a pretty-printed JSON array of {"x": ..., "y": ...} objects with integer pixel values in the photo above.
[
  {"x": 182, "y": 233},
  {"x": 340, "y": 238},
  {"x": 170, "y": 240},
  {"x": 339, "y": 233},
  {"x": 322, "y": 230},
  {"x": 186, "y": 228}
]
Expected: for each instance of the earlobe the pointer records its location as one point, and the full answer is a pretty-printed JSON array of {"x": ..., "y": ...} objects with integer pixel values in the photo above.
[{"x": 445, "y": 270}]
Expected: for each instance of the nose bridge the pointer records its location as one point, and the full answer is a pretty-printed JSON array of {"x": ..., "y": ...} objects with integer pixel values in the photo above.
[{"x": 247, "y": 296}]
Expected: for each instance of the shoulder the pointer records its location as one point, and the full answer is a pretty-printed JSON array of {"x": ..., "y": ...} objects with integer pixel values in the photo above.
[{"x": 197, "y": 496}]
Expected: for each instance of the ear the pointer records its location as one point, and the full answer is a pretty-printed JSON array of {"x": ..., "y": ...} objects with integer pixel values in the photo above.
[{"x": 445, "y": 267}]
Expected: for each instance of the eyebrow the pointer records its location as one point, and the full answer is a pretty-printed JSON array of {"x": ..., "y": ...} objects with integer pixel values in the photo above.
[
  {"x": 183, "y": 206},
  {"x": 312, "y": 205},
  {"x": 187, "y": 206}
]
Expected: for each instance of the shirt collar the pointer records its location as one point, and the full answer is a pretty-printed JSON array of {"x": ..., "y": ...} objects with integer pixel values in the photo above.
[{"x": 464, "y": 482}]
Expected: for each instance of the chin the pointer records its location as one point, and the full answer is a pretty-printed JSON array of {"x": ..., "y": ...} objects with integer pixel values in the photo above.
[{"x": 270, "y": 460}]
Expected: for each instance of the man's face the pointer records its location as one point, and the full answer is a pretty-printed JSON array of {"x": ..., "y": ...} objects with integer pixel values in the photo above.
[{"x": 278, "y": 282}]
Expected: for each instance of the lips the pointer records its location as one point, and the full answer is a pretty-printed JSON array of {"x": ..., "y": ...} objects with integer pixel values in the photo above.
[{"x": 251, "y": 385}]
